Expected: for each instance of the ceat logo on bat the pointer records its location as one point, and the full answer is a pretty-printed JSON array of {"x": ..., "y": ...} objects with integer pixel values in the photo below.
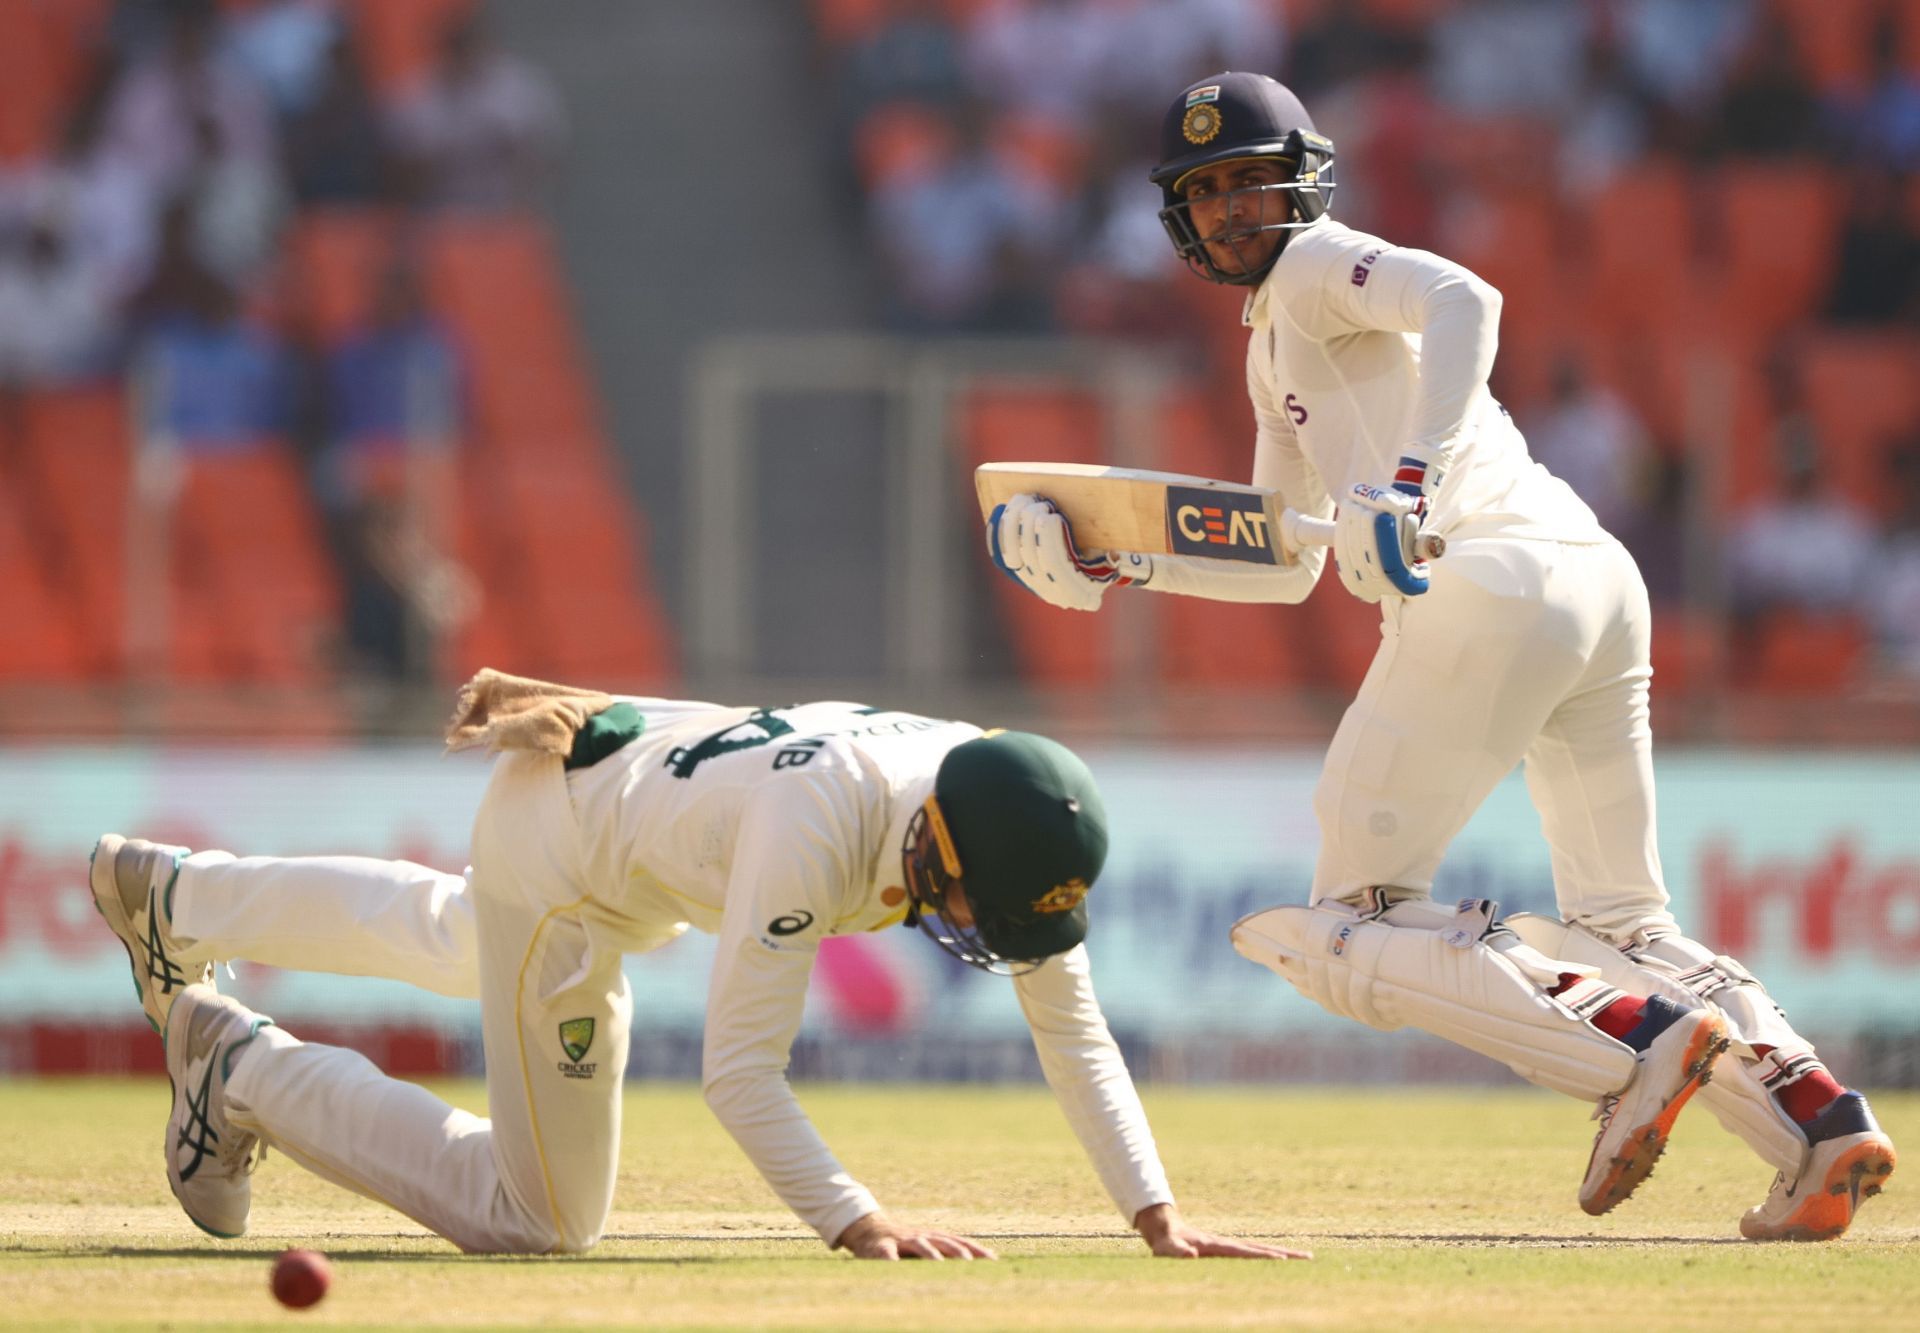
[{"x": 1222, "y": 525}]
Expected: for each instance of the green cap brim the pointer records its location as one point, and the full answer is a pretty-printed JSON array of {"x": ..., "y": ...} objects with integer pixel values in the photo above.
[{"x": 1038, "y": 937}]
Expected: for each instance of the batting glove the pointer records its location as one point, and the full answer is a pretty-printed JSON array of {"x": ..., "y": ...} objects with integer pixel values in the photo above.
[
  {"x": 1031, "y": 543},
  {"x": 1374, "y": 543}
]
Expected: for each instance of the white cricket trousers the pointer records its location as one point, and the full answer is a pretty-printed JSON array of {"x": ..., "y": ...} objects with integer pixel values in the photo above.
[
  {"x": 1520, "y": 651},
  {"x": 526, "y": 936}
]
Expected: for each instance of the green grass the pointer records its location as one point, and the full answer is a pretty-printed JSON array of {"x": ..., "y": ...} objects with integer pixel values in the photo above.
[{"x": 1426, "y": 1209}]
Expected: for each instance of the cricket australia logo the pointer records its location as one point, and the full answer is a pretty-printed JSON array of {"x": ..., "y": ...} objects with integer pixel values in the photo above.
[
  {"x": 576, "y": 1038},
  {"x": 1062, "y": 897}
]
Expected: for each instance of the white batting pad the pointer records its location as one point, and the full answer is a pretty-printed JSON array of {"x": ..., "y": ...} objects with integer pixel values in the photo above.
[
  {"x": 1420, "y": 965},
  {"x": 1736, "y": 1096}
]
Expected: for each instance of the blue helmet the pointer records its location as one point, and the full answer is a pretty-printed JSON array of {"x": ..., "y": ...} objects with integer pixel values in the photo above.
[{"x": 1225, "y": 117}]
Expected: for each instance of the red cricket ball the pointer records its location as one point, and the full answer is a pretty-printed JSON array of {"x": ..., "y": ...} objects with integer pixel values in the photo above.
[{"x": 301, "y": 1278}]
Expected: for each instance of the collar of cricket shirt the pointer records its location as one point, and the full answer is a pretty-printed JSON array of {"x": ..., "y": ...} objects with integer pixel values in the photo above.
[{"x": 882, "y": 907}]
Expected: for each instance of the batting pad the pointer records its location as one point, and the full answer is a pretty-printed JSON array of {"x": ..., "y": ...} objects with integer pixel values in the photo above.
[
  {"x": 1735, "y": 1095},
  {"x": 1424, "y": 966}
]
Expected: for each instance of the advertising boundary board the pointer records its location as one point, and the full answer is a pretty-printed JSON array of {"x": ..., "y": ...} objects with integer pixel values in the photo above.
[{"x": 1805, "y": 866}]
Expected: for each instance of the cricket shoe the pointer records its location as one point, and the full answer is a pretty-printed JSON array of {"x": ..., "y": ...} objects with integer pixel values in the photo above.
[
  {"x": 209, "y": 1160},
  {"x": 1676, "y": 1049},
  {"x": 133, "y": 889},
  {"x": 1849, "y": 1159}
]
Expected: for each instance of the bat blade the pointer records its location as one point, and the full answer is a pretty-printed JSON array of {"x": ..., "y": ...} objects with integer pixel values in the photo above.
[{"x": 1155, "y": 513}]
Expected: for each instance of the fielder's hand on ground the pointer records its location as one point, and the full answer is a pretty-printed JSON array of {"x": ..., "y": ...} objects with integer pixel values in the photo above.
[
  {"x": 877, "y": 1236},
  {"x": 1032, "y": 544},
  {"x": 1170, "y": 1236},
  {"x": 1375, "y": 543}
]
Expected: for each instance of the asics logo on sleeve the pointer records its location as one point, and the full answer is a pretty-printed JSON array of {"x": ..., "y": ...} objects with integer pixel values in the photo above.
[{"x": 790, "y": 924}]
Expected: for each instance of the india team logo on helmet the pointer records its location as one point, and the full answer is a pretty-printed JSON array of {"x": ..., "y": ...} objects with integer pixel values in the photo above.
[{"x": 1201, "y": 123}]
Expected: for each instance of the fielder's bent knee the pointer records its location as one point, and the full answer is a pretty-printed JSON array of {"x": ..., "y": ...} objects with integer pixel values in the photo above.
[{"x": 508, "y": 1228}]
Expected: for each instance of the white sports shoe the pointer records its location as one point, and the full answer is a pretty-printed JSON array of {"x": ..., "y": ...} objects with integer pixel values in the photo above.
[
  {"x": 132, "y": 883},
  {"x": 208, "y": 1159},
  {"x": 1677, "y": 1048},
  {"x": 1849, "y": 1159}
]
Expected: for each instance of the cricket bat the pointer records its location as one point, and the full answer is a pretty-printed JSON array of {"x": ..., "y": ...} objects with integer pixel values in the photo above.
[{"x": 1161, "y": 513}]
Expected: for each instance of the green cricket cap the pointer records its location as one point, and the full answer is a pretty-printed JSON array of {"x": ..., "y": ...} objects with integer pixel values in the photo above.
[{"x": 1030, "y": 831}]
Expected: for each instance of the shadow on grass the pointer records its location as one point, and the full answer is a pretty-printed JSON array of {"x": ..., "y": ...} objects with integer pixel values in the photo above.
[{"x": 382, "y": 1256}]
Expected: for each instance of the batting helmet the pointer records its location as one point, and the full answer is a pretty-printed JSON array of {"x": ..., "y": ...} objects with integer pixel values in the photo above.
[
  {"x": 1017, "y": 820},
  {"x": 1225, "y": 117}
]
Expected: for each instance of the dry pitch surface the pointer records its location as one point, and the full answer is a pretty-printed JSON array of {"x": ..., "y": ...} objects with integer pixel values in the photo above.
[{"x": 1426, "y": 1209}]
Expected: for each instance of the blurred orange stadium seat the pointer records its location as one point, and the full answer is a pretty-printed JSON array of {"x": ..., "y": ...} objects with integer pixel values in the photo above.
[
  {"x": 1833, "y": 38},
  {"x": 1778, "y": 226},
  {"x": 1337, "y": 635},
  {"x": 43, "y": 60},
  {"x": 1641, "y": 250},
  {"x": 1514, "y": 244},
  {"x": 334, "y": 258},
  {"x": 965, "y": 12},
  {"x": 39, "y": 642},
  {"x": 398, "y": 40},
  {"x": 1051, "y": 153},
  {"x": 1802, "y": 653},
  {"x": 247, "y": 541},
  {"x": 1863, "y": 389},
  {"x": 1014, "y": 422},
  {"x": 78, "y": 462},
  {"x": 900, "y": 139},
  {"x": 1407, "y": 14},
  {"x": 1702, "y": 392},
  {"x": 843, "y": 21},
  {"x": 495, "y": 280},
  {"x": 563, "y": 569},
  {"x": 1686, "y": 652}
]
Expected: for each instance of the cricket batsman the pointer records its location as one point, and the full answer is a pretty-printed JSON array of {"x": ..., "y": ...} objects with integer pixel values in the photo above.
[
  {"x": 1367, "y": 366},
  {"x": 610, "y": 826}
]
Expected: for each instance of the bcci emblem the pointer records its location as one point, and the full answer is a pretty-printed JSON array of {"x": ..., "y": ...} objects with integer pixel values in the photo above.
[
  {"x": 1062, "y": 897},
  {"x": 1201, "y": 124},
  {"x": 576, "y": 1037}
]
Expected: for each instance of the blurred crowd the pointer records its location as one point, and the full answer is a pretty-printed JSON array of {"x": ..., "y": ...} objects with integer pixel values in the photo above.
[
  {"x": 999, "y": 151},
  {"x": 147, "y": 237}
]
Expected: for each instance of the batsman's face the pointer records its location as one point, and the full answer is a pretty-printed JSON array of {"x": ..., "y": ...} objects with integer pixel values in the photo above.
[{"x": 1227, "y": 206}]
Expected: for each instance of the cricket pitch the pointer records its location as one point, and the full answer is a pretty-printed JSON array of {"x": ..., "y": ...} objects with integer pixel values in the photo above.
[{"x": 1426, "y": 1209}]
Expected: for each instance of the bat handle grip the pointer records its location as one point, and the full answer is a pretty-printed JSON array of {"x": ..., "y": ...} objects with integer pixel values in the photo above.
[{"x": 1319, "y": 532}]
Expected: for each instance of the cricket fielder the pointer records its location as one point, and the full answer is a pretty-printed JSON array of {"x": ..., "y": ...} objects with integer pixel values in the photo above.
[
  {"x": 1367, "y": 365},
  {"x": 610, "y": 826}
]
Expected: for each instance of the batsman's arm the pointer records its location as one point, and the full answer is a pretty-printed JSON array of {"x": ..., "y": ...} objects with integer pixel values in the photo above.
[
  {"x": 1455, "y": 312},
  {"x": 1278, "y": 466}
]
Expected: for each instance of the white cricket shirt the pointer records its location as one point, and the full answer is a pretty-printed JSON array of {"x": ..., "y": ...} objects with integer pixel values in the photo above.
[
  {"x": 773, "y": 829},
  {"x": 1357, "y": 349}
]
